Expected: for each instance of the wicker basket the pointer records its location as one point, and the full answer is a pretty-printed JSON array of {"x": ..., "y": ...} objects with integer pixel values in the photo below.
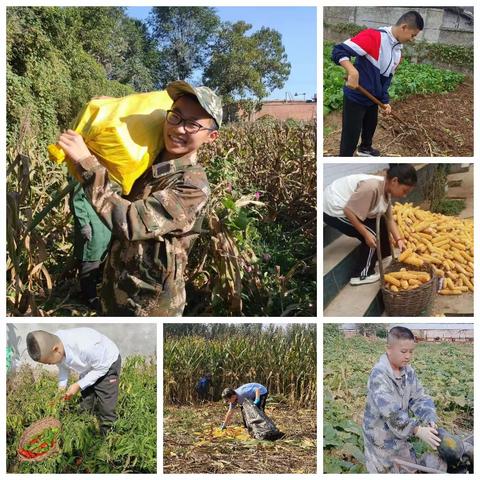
[
  {"x": 408, "y": 303},
  {"x": 35, "y": 429}
]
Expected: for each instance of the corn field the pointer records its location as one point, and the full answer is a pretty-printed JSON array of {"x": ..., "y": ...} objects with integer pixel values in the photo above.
[
  {"x": 284, "y": 360},
  {"x": 258, "y": 253}
]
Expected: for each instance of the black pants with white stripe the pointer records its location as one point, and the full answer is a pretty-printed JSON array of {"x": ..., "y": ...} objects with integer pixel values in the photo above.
[{"x": 368, "y": 256}]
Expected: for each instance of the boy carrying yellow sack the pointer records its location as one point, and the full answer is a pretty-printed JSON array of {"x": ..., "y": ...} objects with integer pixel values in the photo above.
[{"x": 155, "y": 225}]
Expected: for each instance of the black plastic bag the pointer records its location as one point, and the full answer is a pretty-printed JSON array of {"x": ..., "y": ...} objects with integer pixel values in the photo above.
[{"x": 258, "y": 424}]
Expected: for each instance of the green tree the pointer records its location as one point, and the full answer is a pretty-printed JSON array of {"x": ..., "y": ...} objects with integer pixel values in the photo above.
[
  {"x": 139, "y": 63},
  {"x": 244, "y": 66},
  {"x": 183, "y": 36},
  {"x": 59, "y": 57}
]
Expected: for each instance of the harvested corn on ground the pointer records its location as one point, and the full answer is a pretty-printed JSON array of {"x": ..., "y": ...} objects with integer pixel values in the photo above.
[
  {"x": 230, "y": 433},
  {"x": 442, "y": 241}
]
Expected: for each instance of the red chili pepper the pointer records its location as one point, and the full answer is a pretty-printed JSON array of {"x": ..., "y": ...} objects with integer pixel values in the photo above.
[
  {"x": 44, "y": 444},
  {"x": 26, "y": 453},
  {"x": 34, "y": 440}
]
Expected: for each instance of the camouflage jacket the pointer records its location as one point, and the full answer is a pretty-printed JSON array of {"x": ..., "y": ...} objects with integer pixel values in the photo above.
[
  {"x": 153, "y": 229},
  {"x": 387, "y": 424}
]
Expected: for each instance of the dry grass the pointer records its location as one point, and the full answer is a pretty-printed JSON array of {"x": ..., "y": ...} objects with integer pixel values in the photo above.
[{"x": 187, "y": 450}]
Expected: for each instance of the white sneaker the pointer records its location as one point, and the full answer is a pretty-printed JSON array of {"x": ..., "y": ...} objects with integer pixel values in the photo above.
[{"x": 374, "y": 277}]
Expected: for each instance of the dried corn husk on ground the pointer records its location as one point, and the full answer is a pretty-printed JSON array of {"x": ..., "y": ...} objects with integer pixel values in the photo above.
[{"x": 442, "y": 241}]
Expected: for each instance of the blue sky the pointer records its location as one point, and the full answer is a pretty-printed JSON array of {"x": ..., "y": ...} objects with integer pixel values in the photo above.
[{"x": 298, "y": 26}]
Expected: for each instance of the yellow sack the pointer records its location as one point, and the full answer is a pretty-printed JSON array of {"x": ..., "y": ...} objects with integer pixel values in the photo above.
[{"x": 125, "y": 134}]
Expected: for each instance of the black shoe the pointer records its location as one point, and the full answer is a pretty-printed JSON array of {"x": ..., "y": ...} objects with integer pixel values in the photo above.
[
  {"x": 94, "y": 304},
  {"x": 367, "y": 152}
]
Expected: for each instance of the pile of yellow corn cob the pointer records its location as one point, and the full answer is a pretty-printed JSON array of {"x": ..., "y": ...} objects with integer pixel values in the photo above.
[
  {"x": 405, "y": 279},
  {"x": 444, "y": 242}
]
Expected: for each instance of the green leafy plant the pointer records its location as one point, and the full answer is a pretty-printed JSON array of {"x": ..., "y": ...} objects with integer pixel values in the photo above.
[
  {"x": 453, "y": 55},
  {"x": 129, "y": 448},
  {"x": 349, "y": 29},
  {"x": 449, "y": 206},
  {"x": 411, "y": 78}
]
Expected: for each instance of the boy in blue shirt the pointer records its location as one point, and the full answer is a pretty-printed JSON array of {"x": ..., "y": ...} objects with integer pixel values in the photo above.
[
  {"x": 254, "y": 391},
  {"x": 203, "y": 386}
]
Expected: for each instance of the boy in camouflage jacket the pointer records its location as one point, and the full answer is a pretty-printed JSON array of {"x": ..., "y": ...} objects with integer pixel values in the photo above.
[
  {"x": 155, "y": 225},
  {"x": 393, "y": 391}
]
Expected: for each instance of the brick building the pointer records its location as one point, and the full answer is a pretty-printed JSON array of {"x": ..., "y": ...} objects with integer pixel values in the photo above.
[{"x": 283, "y": 110}]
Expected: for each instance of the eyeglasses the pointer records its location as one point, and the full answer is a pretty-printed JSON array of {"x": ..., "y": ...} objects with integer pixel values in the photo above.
[{"x": 191, "y": 127}]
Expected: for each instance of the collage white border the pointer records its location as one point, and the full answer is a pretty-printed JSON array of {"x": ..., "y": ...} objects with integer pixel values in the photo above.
[{"x": 320, "y": 162}]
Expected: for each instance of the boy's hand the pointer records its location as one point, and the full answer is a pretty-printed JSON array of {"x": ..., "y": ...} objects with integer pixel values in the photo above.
[
  {"x": 352, "y": 79},
  {"x": 429, "y": 436},
  {"x": 401, "y": 245},
  {"x": 352, "y": 74},
  {"x": 370, "y": 240},
  {"x": 388, "y": 109},
  {"x": 86, "y": 232},
  {"x": 73, "y": 145},
  {"x": 72, "y": 391}
]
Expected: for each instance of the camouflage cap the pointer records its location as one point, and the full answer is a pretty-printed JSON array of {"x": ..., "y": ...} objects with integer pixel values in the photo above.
[{"x": 207, "y": 98}]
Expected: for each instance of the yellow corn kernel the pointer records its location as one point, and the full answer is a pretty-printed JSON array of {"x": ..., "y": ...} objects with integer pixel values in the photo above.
[
  {"x": 391, "y": 279},
  {"x": 446, "y": 291}
]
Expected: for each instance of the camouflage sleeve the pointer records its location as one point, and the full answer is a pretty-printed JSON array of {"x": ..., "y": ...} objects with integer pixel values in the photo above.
[
  {"x": 173, "y": 210},
  {"x": 421, "y": 404},
  {"x": 389, "y": 404}
]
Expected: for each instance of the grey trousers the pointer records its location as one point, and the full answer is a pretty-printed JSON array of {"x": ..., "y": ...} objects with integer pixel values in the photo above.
[{"x": 101, "y": 397}]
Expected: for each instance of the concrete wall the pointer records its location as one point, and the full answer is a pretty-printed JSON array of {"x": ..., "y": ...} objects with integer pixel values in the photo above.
[
  {"x": 441, "y": 24},
  {"x": 131, "y": 338}
]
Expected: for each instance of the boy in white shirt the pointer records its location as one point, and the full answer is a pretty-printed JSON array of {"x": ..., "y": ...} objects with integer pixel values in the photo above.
[{"x": 93, "y": 356}]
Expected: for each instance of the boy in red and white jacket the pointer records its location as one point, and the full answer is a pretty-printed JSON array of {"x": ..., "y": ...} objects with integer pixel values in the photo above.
[{"x": 378, "y": 54}]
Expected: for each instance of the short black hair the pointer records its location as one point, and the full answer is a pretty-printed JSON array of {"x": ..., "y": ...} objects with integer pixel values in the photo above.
[
  {"x": 412, "y": 19},
  {"x": 33, "y": 347},
  {"x": 228, "y": 393},
  {"x": 405, "y": 172},
  {"x": 400, "y": 333}
]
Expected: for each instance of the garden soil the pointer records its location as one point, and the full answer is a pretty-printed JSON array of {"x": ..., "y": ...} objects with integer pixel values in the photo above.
[
  {"x": 187, "y": 449},
  {"x": 442, "y": 126}
]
